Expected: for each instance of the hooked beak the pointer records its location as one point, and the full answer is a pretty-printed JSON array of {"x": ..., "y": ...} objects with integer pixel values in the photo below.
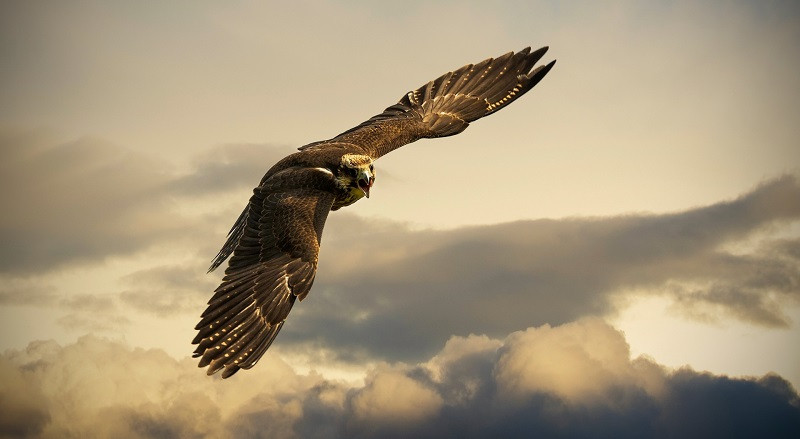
[{"x": 365, "y": 181}]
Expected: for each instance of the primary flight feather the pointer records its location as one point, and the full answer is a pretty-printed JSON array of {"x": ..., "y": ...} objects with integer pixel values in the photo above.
[{"x": 275, "y": 242}]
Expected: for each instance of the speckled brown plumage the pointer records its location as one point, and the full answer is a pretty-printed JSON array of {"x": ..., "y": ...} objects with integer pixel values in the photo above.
[{"x": 275, "y": 241}]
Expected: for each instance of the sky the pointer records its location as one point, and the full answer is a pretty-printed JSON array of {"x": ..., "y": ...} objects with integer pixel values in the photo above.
[{"x": 616, "y": 254}]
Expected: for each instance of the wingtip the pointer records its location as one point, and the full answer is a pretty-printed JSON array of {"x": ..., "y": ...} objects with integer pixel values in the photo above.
[
  {"x": 229, "y": 371},
  {"x": 204, "y": 361},
  {"x": 536, "y": 55},
  {"x": 215, "y": 264},
  {"x": 540, "y": 71},
  {"x": 540, "y": 51}
]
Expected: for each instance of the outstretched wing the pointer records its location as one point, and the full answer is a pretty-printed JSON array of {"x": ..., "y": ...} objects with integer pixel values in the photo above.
[
  {"x": 446, "y": 105},
  {"x": 275, "y": 243}
]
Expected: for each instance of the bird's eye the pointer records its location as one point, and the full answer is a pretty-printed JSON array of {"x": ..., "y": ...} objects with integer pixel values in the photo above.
[{"x": 352, "y": 171}]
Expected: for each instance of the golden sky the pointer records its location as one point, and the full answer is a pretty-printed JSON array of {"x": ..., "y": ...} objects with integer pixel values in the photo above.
[{"x": 620, "y": 242}]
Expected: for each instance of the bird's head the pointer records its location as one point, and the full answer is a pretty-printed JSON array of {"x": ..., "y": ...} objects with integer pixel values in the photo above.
[{"x": 356, "y": 173}]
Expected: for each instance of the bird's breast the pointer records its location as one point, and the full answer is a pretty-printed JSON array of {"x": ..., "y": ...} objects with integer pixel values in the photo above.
[{"x": 347, "y": 198}]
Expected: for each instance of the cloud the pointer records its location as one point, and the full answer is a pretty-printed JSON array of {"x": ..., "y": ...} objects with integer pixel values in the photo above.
[
  {"x": 573, "y": 380},
  {"x": 548, "y": 360},
  {"x": 392, "y": 399},
  {"x": 167, "y": 290},
  {"x": 23, "y": 407},
  {"x": 383, "y": 291},
  {"x": 77, "y": 201},
  {"x": 398, "y": 294},
  {"x": 227, "y": 167},
  {"x": 23, "y": 292},
  {"x": 82, "y": 201}
]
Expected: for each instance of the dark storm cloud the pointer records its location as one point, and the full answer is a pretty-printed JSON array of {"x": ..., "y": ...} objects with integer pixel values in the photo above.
[
  {"x": 574, "y": 380},
  {"x": 399, "y": 293}
]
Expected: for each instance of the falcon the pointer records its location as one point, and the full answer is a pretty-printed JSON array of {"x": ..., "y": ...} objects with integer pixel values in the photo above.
[{"x": 275, "y": 242}]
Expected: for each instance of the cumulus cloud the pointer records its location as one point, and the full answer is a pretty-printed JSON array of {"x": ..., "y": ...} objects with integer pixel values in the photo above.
[
  {"x": 548, "y": 360},
  {"x": 573, "y": 380},
  {"x": 393, "y": 400}
]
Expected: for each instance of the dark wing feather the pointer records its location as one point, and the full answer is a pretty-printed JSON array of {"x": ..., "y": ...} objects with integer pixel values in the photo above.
[
  {"x": 446, "y": 105},
  {"x": 275, "y": 243}
]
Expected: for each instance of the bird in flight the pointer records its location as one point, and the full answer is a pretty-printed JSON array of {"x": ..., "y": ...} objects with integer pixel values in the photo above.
[{"x": 275, "y": 242}]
